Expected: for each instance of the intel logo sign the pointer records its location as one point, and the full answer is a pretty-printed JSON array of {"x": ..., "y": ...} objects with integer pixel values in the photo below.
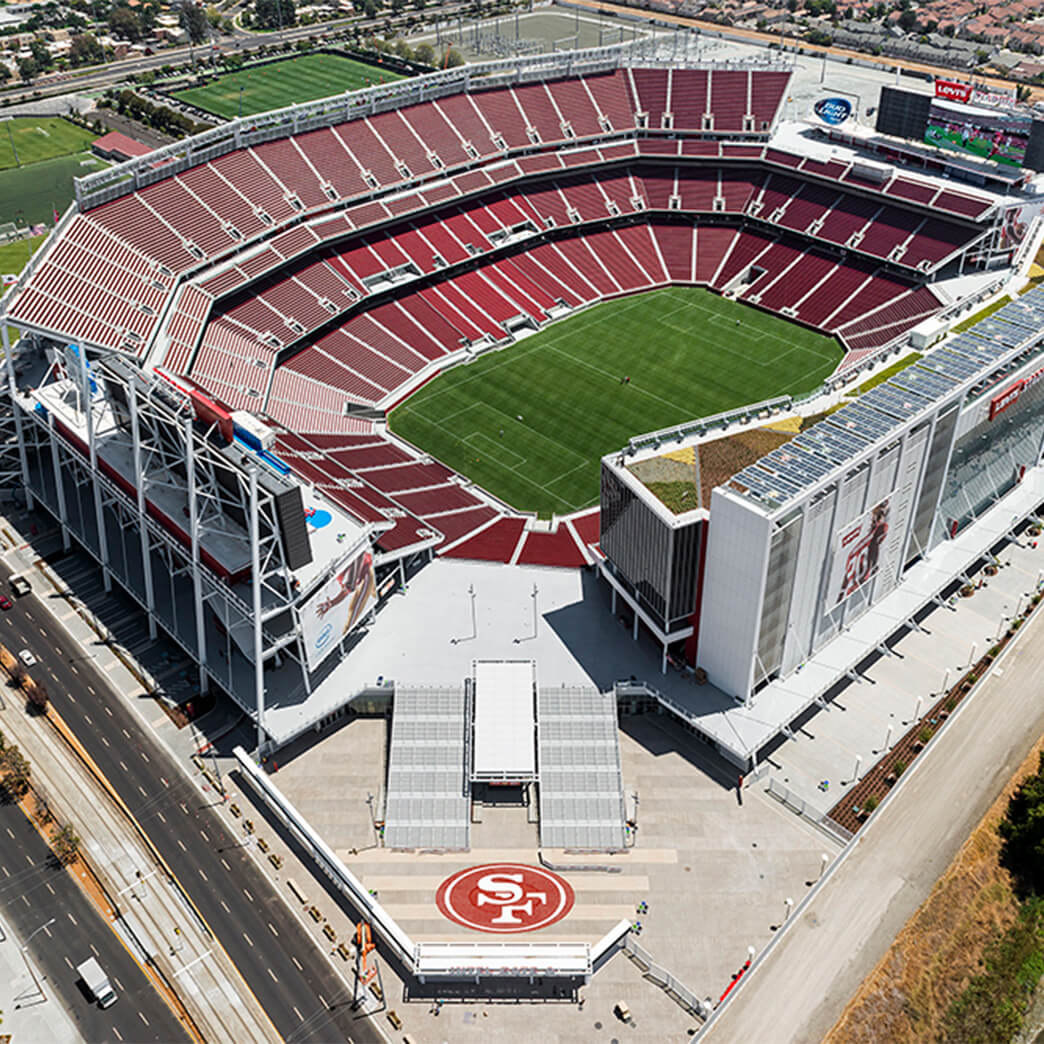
[
  {"x": 833, "y": 110},
  {"x": 322, "y": 639}
]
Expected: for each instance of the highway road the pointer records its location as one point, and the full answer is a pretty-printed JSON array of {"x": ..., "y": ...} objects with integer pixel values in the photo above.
[
  {"x": 291, "y": 979},
  {"x": 33, "y": 889}
]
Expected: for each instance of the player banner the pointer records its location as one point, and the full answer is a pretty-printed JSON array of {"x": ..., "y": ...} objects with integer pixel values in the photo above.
[
  {"x": 337, "y": 607},
  {"x": 857, "y": 558}
]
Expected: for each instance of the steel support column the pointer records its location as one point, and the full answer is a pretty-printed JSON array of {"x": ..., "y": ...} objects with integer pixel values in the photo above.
[
  {"x": 197, "y": 579},
  {"x": 139, "y": 477}
]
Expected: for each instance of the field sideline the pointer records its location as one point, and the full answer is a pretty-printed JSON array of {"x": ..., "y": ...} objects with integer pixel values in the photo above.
[
  {"x": 287, "y": 82},
  {"x": 530, "y": 423}
]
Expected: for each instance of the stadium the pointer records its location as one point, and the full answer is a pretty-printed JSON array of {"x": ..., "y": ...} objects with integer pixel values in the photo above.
[
  {"x": 359, "y": 398},
  {"x": 284, "y": 282}
]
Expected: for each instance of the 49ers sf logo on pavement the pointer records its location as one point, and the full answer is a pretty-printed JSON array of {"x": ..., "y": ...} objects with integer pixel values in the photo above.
[{"x": 505, "y": 897}]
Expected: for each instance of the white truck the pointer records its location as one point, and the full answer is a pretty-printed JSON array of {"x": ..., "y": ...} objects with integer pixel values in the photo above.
[{"x": 97, "y": 982}]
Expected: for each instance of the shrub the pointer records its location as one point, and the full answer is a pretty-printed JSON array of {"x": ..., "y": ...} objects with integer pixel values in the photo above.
[
  {"x": 870, "y": 803},
  {"x": 925, "y": 735},
  {"x": 900, "y": 768}
]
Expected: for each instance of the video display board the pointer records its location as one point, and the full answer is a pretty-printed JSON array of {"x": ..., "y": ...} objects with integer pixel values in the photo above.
[
  {"x": 337, "y": 607},
  {"x": 995, "y": 135}
]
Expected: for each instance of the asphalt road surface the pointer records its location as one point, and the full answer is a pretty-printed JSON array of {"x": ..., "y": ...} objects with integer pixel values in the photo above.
[
  {"x": 291, "y": 979},
  {"x": 33, "y": 889},
  {"x": 803, "y": 986}
]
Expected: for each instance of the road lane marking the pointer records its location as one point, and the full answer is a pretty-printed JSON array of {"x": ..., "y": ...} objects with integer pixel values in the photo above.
[
  {"x": 225, "y": 905},
  {"x": 30, "y": 858},
  {"x": 297, "y": 963},
  {"x": 73, "y": 669},
  {"x": 294, "y": 1006},
  {"x": 181, "y": 845},
  {"x": 271, "y": 928},
  {"x": 70, "y": 963},
  {"x": 91, "y": 691},
  {"x": 201, "y": 874},
  {"x": 183, "y": 808},
  {"x": 108, "y": 711},
  {"x": 204, "y": 836},
  {"x": 51, "y": 890},
  {"x": 123, "y": 766},
  {"x": 225, "y": 865},
  {"x": 250, "y": 898},
  {"x": 247, "y": 937},
  {"x": 163, "y": 818},
  {"x": 125, "y": 733},
  {"x": 71, "y": 918},
  {"x": 9, "y": 834},
  {"x": 144, "y": 755},
  {"x": 104, "y": 740},
  {"x": 272, "y": 973},
  {"x": 143, "y": 1019},
  {"x": 142, "y": 790},
  {"x": 119, "y": 1036},
  {"x": 186, "y": 967},
  {"x": 7, "y": 873},
  {"x": 88, "y": 720}
]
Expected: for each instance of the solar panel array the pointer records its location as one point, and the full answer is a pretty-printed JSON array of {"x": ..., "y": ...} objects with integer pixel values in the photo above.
[
  {"x": 788, "y": 470},
  {"x": 581, "y": 784},
  {"x": 428, "y": 802}
]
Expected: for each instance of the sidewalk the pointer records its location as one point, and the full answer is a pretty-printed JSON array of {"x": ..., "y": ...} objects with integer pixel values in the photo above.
[
  {"x": 26, "y": 1017},
  {"x": 152, "y": 918}
]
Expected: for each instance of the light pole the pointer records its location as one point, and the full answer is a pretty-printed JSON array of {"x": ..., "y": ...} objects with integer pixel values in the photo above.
[{"x": 25, "y": 956}]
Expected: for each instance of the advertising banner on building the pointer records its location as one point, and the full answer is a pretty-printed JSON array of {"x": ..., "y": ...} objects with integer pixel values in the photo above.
[
  {"x": 337, "y": 607},
  {"x": 999, "y": 403},
  {"x": 998, "y": 135},
  {"x": 833, "y": 110},
  {"x": 859, "y": 553},
  {"x": 973, "y": 94}
]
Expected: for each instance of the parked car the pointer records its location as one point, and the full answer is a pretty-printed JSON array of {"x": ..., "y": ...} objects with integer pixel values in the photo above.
[{"x": 27, "y": 658}]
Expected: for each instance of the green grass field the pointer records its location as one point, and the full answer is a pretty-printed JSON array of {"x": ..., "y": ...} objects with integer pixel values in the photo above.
[
  {"x": 681, "y": 347},
  {"x": 27, "y": 194},
  {"x": 273, "y": 86},
  {"x": 14, "y": 256},
  {"x": 31, "y": 139}
]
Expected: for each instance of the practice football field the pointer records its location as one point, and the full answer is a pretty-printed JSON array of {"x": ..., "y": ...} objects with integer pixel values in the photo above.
[
  {"x": 29, "y": 139},
  {"x": 287, "y": 82},
  {"x": 688, "y": 353}
]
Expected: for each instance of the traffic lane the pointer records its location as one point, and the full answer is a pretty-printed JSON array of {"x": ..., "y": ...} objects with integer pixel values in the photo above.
[
  {"x": 33, "y": 889},
  {"x": 289, "y": 977}
]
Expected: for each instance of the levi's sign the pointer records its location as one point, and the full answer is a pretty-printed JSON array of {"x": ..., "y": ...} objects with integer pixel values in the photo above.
[
  {"x": 999, "y": 403},
  {"x": 953, "y": 90}
]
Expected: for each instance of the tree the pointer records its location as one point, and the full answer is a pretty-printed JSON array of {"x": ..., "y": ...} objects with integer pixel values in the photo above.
[
  {"x": 424, "y": 53},
  {"x": 125, "y": 23},
  {"x": 16, "y": 771},
  {"x": 27, "y": 69},
  {"x": 86, "y": 50},
  {"x": 41, "y": 55},
  {"x": 38, "y": 696},
  {"x": 275, "y": 14},
  {"x": 5, "y": 74},
  {"x": 66, "y": 845},
  {"x": 451, "y": 59},
  {"x": 194, "y": 22},
  {"x": 1022, "y": 833}
]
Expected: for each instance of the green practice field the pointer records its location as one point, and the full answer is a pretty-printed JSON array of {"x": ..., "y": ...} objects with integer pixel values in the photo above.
[
  {"x": 688, "y": 353},
  {"x": 287, "y": 82},
  {"x": 29, "y": 139},
  {"x": 29, "y": 195},
  {"x": 15, "y": 256}
]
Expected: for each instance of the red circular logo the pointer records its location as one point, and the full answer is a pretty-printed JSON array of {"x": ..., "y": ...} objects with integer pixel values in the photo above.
[{"x": 505, "y": 897}]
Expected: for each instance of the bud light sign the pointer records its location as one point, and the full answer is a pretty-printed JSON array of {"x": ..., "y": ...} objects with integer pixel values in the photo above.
[{"x": 833, "y": 110}]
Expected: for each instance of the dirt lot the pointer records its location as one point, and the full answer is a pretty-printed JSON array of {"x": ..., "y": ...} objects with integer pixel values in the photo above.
[{"x": 905, "y": 997}]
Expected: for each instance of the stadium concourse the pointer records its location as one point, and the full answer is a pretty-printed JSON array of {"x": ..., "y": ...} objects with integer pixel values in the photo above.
[{"x": 316, "y": 278}]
